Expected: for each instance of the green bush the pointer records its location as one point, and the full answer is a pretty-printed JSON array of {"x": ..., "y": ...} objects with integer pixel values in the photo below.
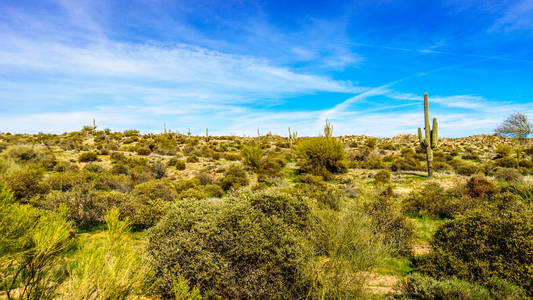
[
  {"x": 239, "y": 249},
  {"x": 324, "y": 195},
  {"x": 32, "y": 246},
  {"x": 179, "y": 164},
  {"x": 417, "y": 286},
  {"x": 148, "y": 202},
  {"x": 508, "y": 174},
  {"x": 346, "y": 247},
  {"x": 503, "y": 151},
  {"x": 490, "y": 240},
  {"x": 506, "y": 162},
  {"x": 235, "y": 177},
  {"x": 25, "y": 184},
  {"x": 382, "y": 177},
  {"x": 321, "y": 156},
  {"x": 143, "y": 151},
  {"x": 388, "y": 221},
  {"x": 251, "y": 156},
  {"x": 432, "y": 199},
  {"x": 113, "y": 268},
  {"x": 193, "y": 159},
  {"x": 85, "y": 206},
  {"x": 88, "y": 156}
]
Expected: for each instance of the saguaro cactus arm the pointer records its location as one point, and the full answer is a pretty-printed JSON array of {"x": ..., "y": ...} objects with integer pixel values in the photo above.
[{"x": 435, "y": 134}]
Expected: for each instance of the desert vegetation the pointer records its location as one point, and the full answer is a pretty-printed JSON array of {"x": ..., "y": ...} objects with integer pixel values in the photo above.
[{"x": 119, "y": 215}]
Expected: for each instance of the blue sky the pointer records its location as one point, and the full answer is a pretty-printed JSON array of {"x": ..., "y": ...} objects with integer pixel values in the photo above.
[{"x": 236, "y": 66}]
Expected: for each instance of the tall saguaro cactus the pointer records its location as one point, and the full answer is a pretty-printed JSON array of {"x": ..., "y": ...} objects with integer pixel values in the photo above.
[{"x": 431, "y": 139}]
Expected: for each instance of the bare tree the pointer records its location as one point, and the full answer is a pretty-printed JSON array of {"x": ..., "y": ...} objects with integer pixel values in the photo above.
[{"x": 516, "y": 126}]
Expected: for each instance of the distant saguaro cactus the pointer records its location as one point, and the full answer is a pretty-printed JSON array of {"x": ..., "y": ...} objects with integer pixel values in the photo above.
[
  {"x": 328, "y": 129},
  {"x": 94, "y": 126},
  {"x": 292, "y": 136},
  {"x": 431, "y": 139},
  {"x": 207, "y": 134}
]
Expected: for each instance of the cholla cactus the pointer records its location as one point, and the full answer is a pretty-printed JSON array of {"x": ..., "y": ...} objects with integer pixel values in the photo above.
[
  {"x": 328, "y": 129},
  {"x": 431, "y": 139}
]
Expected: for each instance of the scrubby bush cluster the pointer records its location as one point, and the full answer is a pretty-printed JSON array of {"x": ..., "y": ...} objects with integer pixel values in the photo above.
[{"x": 117, "y": 215}]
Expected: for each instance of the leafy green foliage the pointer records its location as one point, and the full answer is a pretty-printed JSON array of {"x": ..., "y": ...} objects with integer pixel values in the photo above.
[
  {"x": 241, "y": 248},
  {"x": 417, "y": 286},
  {"x": 88, "y": 156},
  {"x": 109, "y": 269},
  {"x": 32, "y": 243},
  {"x": 490, "y": 240},
  {"x": 251, "y": 156},
  {"x": 234, "y": 178},
  {"x": 321, "y": 156}
]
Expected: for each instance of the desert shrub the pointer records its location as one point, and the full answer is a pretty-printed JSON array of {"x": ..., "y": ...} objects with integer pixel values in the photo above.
[
  {"x": 88, "y": 156},
  {"x": 489, "y": 240},
  {"x": 503, "y": 151},
  {"x": 112, "y": 268},
  {"x": 193, "y": 159},
  {"x": 309, "y": 179},
  {"x": 232, "y": 156},
  {"x": 345, "y": 248},
  {"x": 234, "y": 249},
  {"x": 268, "y": 168},
  {"x": 418, "y": 286},
  {"x": 32, "y": 246},
  {"x": 324, "y": 195},
  {"x": 213, "y": 190},
  {"x": 158, "y": 170},
  {"x": 526, "y": 163},
  {"x": 373, "y": 161},
  {"x": 251, "y": 156},
  {"x": 382, "y": 177},
  {"x": 22, "y": 154},
  {"x": 205, "y": 178},
  {"x": 524, "y": 191},
  {"x": 464, "y": 168},
  {"x": 148, "y": 202},
  {"x": 25, "y": 184},
  {"x": 63, "y": 181},
  {"x": 442, "y": 166},
  {"x": 179, "y": 164},
  {"x": 143, "y": 151},
  {"x": 432, "y": 199},
  {"x": 234, "y": 178},
  {"x": 63, "y": 166},
  {"x": 506, "y": 162},
  {"x": 508, "y": 174},
  {"x": 84, "y": 206},
  {"x": 389, "y": 222},
  {"x": 478, "y": 186},
  {"x": 90, "y": 167},
  {"x": 321, "y": 156},
  {"x": 408, "y": 163},
  {"x": 160, "y": 189},
  {"x": 193, "y": 193},
  {"x": 118, "y": 157}
]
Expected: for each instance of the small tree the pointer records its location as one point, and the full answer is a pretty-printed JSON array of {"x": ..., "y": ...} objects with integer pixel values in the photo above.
[{"x": 516, "y": 126}]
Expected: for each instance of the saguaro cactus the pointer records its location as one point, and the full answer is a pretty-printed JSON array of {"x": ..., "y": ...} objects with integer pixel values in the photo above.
[
  {"x": 292, "y": 136},
  {"x": 207, "y": 134},
  {"x": 328, "y": 129},
  {"x": 431, "y": 139}
]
